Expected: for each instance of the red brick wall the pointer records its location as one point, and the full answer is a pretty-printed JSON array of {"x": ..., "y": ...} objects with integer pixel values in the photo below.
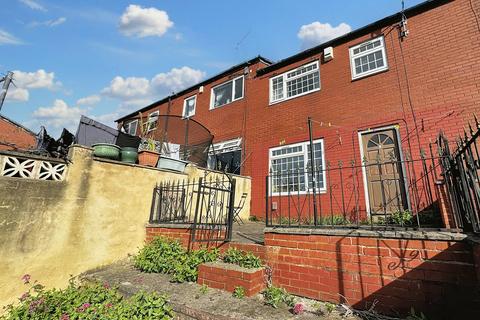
[
  {"x": 441, "y": 278},
  {"x": 431, "y": 276},
  {"x": 12, "y": 134},
  {"x": 431, "y": 84}
]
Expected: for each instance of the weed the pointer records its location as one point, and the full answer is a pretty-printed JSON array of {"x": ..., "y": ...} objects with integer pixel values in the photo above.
[{"x": 239, "y": 292}]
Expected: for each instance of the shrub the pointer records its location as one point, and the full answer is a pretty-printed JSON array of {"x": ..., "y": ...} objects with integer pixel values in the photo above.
[
  {"x": 276, "y": 296},
  {"x": 243, "y": 259},
  {"x": 86, "y": 301},
  {"x": 164, "y": 255}
]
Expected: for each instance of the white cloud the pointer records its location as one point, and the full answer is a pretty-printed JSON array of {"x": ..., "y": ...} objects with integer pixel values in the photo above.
[
  {"x": 35, "y": 80},
  {"x": 144, "y": 22},
  {"x": 316, "y": 33},
  {"x": 59, "y": 115},
  {"x": 7, "y": 38},
  {"x": 127, "y": 88},
  {"x": 138, "y": 91},
  {"x": 49, "y": 23},
  {"x": 176, "y": 80},
  {"x": 34, "y": 5},
  {"x": 17, "y": 94},
  {"x": 89, "y": 101},
  {"x": 25, "y": 81}
]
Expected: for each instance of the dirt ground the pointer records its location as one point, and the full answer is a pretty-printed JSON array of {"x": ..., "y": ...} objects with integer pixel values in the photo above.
[{"x": 189, "y": 302}]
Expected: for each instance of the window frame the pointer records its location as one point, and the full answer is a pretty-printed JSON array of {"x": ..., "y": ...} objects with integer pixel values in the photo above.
[
  {"x": 353, "y": 56},
  {"x": 305, "y": 153},
  {"x": 184, "y": 115},
  {"x": 285, "y": 79},
  {"x": 147, "y": 124},
  {"x": 212, "y": 97},
  {"x": 128, "y": 124}
]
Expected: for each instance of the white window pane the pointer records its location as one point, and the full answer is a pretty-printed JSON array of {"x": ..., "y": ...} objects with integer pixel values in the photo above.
[
  {"x": 239, "y": 88},
  {"x": 223, "y": 94}
]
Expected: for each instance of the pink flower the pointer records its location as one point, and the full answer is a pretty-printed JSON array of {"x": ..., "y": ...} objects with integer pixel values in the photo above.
[
  {"x": 84, "y": 307},
  {"x": 298, "y": 309},
  {"x": 65, "y": 317},
  {"x": 26, "y": 278},
  {"x": 24, "y": 296},
  {"x": 106, "y": 285},
  {"x": 109, "y": 305}
]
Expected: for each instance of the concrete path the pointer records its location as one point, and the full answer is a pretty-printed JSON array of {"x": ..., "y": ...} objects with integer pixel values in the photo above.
[{"x": 189, "y": 302}]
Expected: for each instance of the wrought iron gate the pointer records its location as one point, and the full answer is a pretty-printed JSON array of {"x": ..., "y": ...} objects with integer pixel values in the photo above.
[
  {"x": 460, "y": 170},
  {"x": 206, "y": 204}
]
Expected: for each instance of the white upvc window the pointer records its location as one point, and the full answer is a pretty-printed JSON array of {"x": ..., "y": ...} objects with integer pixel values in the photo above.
[
  {"x": 189, "y": 105},
  {"x": 131, "y": 127},
  {"x": 152, "y": 121},
  {"x": 368, "y": 58},
  {"x": 290, "y": 169},
  {"x": 295, "y": 83},
  {"x": 227, "y": 92}
]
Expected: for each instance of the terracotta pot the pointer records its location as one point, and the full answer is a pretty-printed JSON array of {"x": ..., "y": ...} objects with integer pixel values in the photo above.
[{"x": 148, "y": 158}]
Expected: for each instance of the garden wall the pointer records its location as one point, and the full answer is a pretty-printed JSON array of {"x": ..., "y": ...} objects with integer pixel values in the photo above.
[
  {"x": 94, "y": 215},
  {"x": 434, "y": 272}
]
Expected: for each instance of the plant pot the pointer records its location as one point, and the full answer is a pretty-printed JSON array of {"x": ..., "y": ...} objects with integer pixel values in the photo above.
[
  {"x": 171, "y": 164},
  {"x": 148, "y": 158},
  {"x": 106, "y": 150},
  {"x": 129, "y": 154}
]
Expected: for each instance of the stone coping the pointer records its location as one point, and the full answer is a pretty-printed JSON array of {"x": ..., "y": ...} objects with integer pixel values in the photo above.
[
  {"x": 178, "y": 226},
  {"x": 9, "y": 153},
  {"x": 231, "y": 266},
  {"x": 388, "y": 234},
  {"x": 137, "y": 166}
]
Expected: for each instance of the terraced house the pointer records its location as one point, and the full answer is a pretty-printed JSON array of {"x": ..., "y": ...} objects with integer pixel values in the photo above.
[{"x": 377, "y": 95}]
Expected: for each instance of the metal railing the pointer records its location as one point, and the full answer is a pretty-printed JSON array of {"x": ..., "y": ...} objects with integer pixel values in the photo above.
[
  {"x": 400, "y": 193},
  {"x": 206, "y": 204},
  {"x": 460, "y": 170}
]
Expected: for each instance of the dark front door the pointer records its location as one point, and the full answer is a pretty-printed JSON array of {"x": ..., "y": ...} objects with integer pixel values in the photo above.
[{"x": 384, "y": 173}]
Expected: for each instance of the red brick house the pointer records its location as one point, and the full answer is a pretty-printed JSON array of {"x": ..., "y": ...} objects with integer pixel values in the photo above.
[
  {"x": 15, "y": 136},
  {"x": 375, "y": 88}
]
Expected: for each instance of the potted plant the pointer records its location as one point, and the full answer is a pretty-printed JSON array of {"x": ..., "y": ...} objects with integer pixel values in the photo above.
[
  {"x": 147, "y": 154},
  {"x": 106, "y": 150},
  {"x": 148, "y": 151}
]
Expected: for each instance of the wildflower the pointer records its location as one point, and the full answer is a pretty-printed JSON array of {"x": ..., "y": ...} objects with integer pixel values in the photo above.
[
  {"x": 65, "y": 317},
  {"x": 106, "y": 285},
  {"x": 24, "y": 296},
  {"x": 109, "y": 305},
  {"x": 83, "y": 307},
  {"x": 26, "y": 278},
  {"x": 298, "y": 309}
]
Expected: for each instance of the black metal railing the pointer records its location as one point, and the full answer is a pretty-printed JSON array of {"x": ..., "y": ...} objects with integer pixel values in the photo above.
[
  {"x": 460, "y": 170},
  {"x": 390, "y": 193},
  {"x": 206, "y": 204}
]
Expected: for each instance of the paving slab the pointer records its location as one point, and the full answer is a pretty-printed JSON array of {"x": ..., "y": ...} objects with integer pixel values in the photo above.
[{"x": 189, "y": 302}]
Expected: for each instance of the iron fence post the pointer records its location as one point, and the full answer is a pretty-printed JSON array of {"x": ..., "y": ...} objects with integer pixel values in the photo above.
[{"x": 312, "y": 171}]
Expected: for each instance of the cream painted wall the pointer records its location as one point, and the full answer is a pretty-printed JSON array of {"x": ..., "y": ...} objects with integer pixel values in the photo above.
[{"x": 52, "y": 230}]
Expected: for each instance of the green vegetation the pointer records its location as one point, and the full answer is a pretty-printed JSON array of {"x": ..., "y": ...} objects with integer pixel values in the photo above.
[
  {"x": 330, "y": 307},
  {"x": 86, "y": 301},
  {"x": 277, "y": 296},
  {"x": 163, "y": 255},
  {"x": 241, "y": 258},
  {"x": 239, "y": 292}
]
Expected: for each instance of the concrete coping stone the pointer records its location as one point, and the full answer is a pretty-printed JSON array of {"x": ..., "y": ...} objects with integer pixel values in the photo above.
[
  {"x": 231, "y": 266},
  {"x": 137, "y": 166},
  {"x": 31, "y": 156},
  {"x": 170, "y": 225},
  {"x": 392, "y": 234}
]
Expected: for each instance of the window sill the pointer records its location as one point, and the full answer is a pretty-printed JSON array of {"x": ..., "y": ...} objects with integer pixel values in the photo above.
[
  {"x": 226, "y": 104},
  {"x": 294, "y": 97},
  {"x": 362, "y": 76}
]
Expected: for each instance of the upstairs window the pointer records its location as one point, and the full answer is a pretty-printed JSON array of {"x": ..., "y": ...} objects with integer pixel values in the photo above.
[
  {"x": 152, "y": 121},
  {"x": 131, "y": 127},
  {"x": 294, "y": 83},
  {"x": 189, "y": 106},
  {"x": 368, "y": 58},
  {"x": 227, "y": 92}
]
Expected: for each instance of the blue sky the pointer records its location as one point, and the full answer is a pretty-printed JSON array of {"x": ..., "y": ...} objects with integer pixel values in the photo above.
[{"x": 106, "y": 58}]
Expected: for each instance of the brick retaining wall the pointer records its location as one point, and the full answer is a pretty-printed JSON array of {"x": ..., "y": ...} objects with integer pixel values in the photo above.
[{"x": 434, "y": 272}]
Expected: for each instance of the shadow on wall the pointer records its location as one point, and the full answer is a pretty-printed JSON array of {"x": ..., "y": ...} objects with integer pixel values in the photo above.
[{"x": 436, "y": 277}]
